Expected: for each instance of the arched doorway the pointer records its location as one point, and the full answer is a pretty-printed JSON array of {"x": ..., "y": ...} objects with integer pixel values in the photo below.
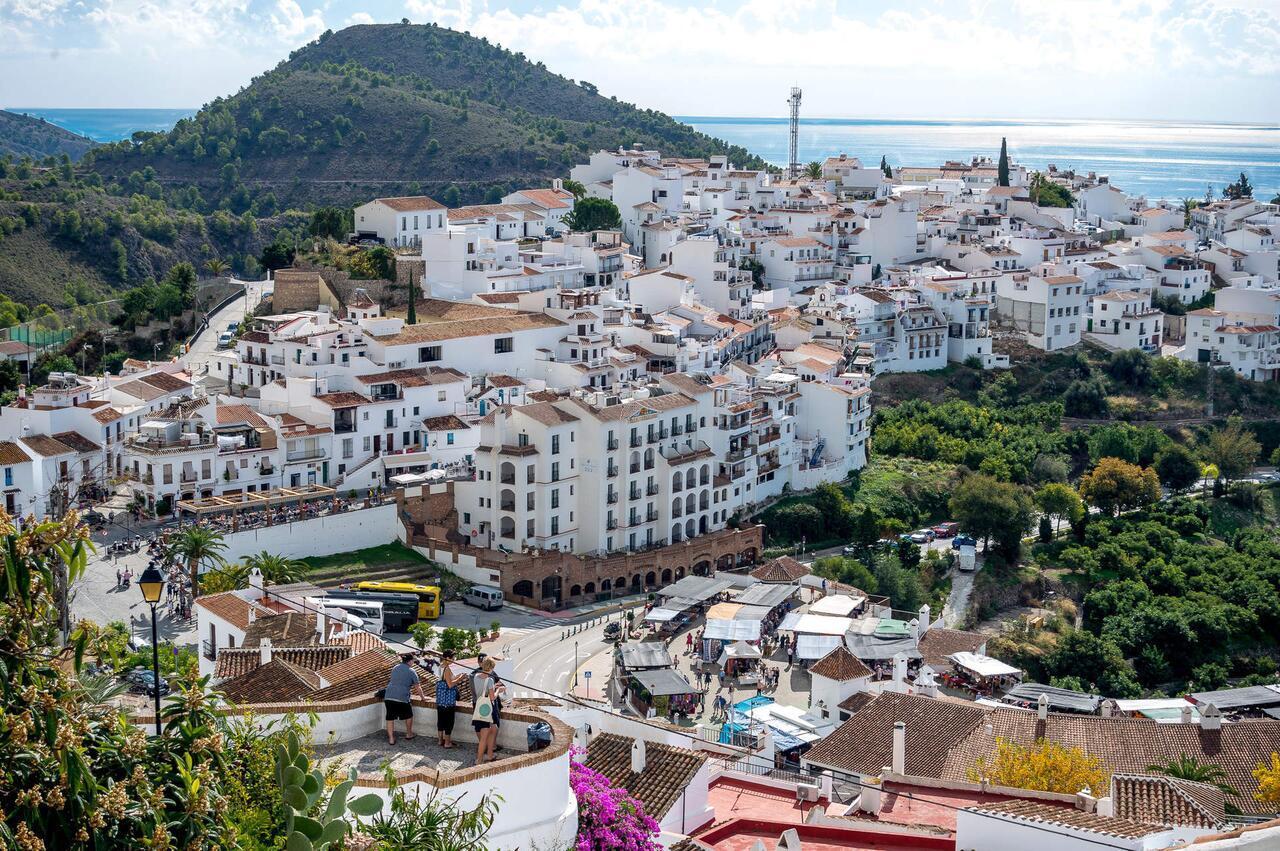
[
  {"x": 551, "y": 589},
  {"x": 590, "y": 588},
  {"x": 666, "y": 576},
  {"x": 725, "y": 562},
  {"x": 575, "y": 591},
  {"x": 650, "y": 579},
  {"x": 635, "y": 582},
  {"x": 523, "y": 588},
  {"x": 747, "y": 556}
]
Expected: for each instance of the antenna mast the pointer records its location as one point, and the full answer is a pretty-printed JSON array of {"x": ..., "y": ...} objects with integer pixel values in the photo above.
[{"x": 793, "y": 164}]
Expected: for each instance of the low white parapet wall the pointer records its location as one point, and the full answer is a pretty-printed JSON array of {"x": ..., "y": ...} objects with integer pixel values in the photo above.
[{"x": 318, "y": 536}]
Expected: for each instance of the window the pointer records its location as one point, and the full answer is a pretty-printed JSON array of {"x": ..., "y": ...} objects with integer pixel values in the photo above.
[
  {"x": 347, "y": 450},
  {"x": 503, "y": 346},
  {"x": 441, "y": 395},
  {"x": 555, "y": 471},
  {"x": 8, "y": 477},
  {"x": 427, "y": 354},
  {"x": 555, "y": 524},
  {"x": 555, "y": 444},
  {"x": 555, "y": 497},
  {"x": 448, "y": 439}
]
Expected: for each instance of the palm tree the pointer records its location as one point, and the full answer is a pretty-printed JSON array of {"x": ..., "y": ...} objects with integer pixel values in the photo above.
[
  {"x": 216, "y": 266},
  {"x": 1189, "y": 768},
  {"x": 277, "y": 570},
  {"x": 199, "y": 545},
  {"x": 1188, "y": 204},
  {"x": 813, "y": 170}
]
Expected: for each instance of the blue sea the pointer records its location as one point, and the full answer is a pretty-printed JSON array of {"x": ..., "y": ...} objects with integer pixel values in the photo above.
[
  {"x": 108, "y": 125},
  {"x": 1156, "y": 159}
]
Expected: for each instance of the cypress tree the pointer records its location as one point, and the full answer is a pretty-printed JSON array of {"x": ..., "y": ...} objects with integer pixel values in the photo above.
[
  {"x": 884, "y": 166},
  {"x": 413, "y": 302},
  {"x": 1004, "y": 163}
]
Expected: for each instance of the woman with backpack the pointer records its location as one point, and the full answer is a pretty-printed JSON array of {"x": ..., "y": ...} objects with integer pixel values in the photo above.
[{"x": 446, "y": 700}]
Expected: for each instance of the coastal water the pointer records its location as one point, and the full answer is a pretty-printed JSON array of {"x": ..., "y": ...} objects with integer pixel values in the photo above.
[
  {"x": 1156, "y": 159},
  {"x": 108, "y": 125}
]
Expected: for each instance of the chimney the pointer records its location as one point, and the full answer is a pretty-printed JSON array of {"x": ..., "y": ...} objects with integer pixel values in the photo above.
[
  {"x": 1085, "y": 802},
  {"x": 1106, "y": 806},
  {"x": 557, "y": 183},
  {"x": 899, "y": 748},
  {"x": 322, "y": 627},
  {"x": 924, "y": 620},
  {"x": 265, "y": 650},
  {"x": 900, "y": 670},
  {"x": 870, "y": 795},
  {"x": 582, "y": 738},
  {"x": 637, "y": 756},
  {"x": 1042, "y": 707},
  {"x": 825, "y": 786},
  {"x": 1211, "y": 718},
  {"x": 1186, "y": 714},
  {"x": 256, "y": 584},
  {"x": 1106, "y": 708},
  {"x": 789, "y": 840}
]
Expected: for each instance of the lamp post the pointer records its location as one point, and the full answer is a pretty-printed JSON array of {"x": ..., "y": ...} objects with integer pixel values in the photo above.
[
  {"x": 151, "y": 583},
  {"x": 575, "y": 664}
]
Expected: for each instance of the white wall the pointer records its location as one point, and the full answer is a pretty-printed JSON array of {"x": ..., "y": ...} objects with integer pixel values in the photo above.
[
  {"x": 991, "y": 833},
  {"x": 335, "y": 533}
]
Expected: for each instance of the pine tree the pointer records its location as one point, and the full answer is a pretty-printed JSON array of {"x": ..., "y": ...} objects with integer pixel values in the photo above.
[
  {"x": 884, "y": 166},
  {"x": 412, "y": 319},
  {"x": 1004, "y": 162}
]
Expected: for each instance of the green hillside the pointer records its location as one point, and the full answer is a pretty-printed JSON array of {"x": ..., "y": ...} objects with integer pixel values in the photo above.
[
  {"x": 396, "y": 108},
  {"x": 28, "y": 136}
]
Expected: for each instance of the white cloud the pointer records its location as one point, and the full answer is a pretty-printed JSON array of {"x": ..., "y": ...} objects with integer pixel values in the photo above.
[
  {"x": 359, "y": 18},
  {"x": 292, "y": 24}
]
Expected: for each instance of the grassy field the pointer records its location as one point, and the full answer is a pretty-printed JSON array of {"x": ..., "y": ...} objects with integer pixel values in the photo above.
[{"x": 387, "y": 555}]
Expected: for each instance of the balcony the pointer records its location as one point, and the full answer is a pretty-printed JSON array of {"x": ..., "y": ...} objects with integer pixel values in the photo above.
[
  {"x": 651, "y": 490},
  {"x": 634, "y": 493},
  {"x": 648, "y": 465},
  {"x": 344, "y": 426},
  {"x": 277, "y": 360},
  {"x": 636, "y": 441},
  {"x": 739, "y": 454},
  {"x": 635, "y": 467},
  {"x": 507, "y": 505},
  {"x": 208, "y": 651},
  {"x": 188, "y": 478},
  {"x": 304, "y": 455},
  {"x": 149, "y": 445},
  {"x": 611, "y": 525},
  {"x": 651, "y": 516},
  {"x": 612, "y": 444},
  {"x": 612, "y": 471},
  {"x": 611, "y": 499}
]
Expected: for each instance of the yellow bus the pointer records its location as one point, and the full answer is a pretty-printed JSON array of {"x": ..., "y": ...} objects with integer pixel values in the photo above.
[{"x": 430, "y": 598}]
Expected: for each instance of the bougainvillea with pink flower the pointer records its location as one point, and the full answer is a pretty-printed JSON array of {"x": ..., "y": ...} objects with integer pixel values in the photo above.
[{"x": 608, "y": 816}]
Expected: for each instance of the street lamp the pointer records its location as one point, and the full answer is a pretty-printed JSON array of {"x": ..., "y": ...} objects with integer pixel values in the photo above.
[{"x": 151, "y": 583}]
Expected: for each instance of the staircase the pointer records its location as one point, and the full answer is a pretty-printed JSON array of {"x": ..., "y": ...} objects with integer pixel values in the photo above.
[
  {"x": 331, "y": 577},
  {"x": 338, "y": 482}
]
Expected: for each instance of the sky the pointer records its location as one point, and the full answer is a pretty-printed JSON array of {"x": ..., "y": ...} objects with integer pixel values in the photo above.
[{"x": 1184, "y": 60}]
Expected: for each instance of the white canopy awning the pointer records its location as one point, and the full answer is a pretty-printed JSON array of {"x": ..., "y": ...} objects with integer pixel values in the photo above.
[
  {"x": 815, "y": 624},
  {"x": 732, "y": 630},
  {"x": 837, "y": 605},
  {"x": 983, "y": 666},
  {"x": 816, "y": 646},
  {"x": 662, "y": 615}
]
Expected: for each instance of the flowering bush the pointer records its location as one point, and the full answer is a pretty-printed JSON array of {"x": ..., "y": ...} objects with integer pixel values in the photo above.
[{"x": 608, "y": 817}]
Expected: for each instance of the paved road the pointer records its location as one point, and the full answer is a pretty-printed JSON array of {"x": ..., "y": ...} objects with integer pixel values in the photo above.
[
  {"x": 543, "y": 660},
  {"x": 953, "y": 613},
  {"x": 206, "y": 344}
]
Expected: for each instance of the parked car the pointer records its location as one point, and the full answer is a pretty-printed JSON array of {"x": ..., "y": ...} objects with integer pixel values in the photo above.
[
  {"x": 142, "y": 681},
  {"x": 224, "y": 340},
  {"x": 233, "y": 327},
  {"x": 850, "y": 550},
  {"x": 922, "y": 536},
  {"x": 613, "y": 631},
  {"x": 963, "y": 541},
  {"x": 946, "y": 530},
  {"x": 483, "y": 596}
]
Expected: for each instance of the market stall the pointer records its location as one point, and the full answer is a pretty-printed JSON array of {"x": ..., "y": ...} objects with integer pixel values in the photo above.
[
  {"x": 661, "y": 691},
  {"x": 980, "y": 676}
]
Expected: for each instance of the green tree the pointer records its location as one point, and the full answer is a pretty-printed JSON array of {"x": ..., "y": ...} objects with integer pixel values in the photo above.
[
  {"x": 200, "y": 545},
  {"x": 1045, "y": 193},
  {"x": 1188, "y": 204},
  {"x": 1114, "y": 485},
  {"x": 1177, "y": 468},
  {"x": 1189, "y": 768},
  {"x": 574, "y": 188},
  {"x": 424, "y": 634},
  {"x": 451, "y": 197},
  {"x": 217, "y": 267},
  {"x": 813, "y": 170},
  {"x": 884, "y": 167},
  {"x": 1242, "y": 188},
  {"x": 276, "y": 569},
  {"x": 594, "y": 214},
  {"x": 988, "y": 509},
  {"x": 1085, "y": 397},
  {"x": 1233, "y": 450},
  {"x": 1059, "y": 501},
  {"x": 277, "y": 255},
  {"x": 331, "y": 222},
  {"x": 1002, "y": 168}
]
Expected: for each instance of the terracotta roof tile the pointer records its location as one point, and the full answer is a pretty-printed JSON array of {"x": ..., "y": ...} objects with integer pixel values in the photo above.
[
  {"x": 1040, "y": 813},
  {"x": 290, "y": 629},
  {"x": 77, "y": 441},
  {"x": 781, "y": 569},
  {"x": 1168, "y": 801},
  {"x": 408, "y": 203},
  {"x": 840, "y": 665},
  {"x": 275, "y": 682},
  {"x": 668, "y": 770},
  {"x": 939, "y": 643},
  {"x": 238, "y": 661},
  {"x": 44, "y": 445},
  {"x": 11, "y": 453}
]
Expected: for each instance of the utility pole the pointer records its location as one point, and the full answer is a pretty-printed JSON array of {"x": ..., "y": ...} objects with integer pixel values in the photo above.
[{"x": 793, "y": 161}]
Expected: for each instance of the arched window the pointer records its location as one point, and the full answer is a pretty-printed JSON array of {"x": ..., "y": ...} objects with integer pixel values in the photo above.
[
  {"x": 690, "y": 528},
  {"x": 507, "y": 499},
  {"x": 605, "y": 584},
  {"x": 677, "y": 482},
  {"x": 590, "y": 588},
  {"x": 702, "y": 525},
  {"x": 507, "y": 528},
  {"x": 677, "y": 507},
  {"x": 666, "y": 575},
  {"x": 675, "y": 533},
  {"x": 636, "y": 581},
  {"x": 704, "y": 475},
  {"x": 690, "y": 504},
  {"x": 507, "y": 473},
  {"x": 704, "y": 501},
  {"x": 650, "y": 579},
  {"x": 575, "y": 591},
  {"x": 523, "y": 588}
]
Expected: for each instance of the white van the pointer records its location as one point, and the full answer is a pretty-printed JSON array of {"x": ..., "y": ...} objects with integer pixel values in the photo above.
[{"x": 483, "y": 597}]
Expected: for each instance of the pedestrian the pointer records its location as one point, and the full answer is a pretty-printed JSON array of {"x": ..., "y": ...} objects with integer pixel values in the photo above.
[
  {"x": 117, "y": 579},
  {"x": 688, "y": 643},
  {"x": 482, "y": 686},
  {"x": 397, "y": 697},
  {"x": 446, "y": 700}
]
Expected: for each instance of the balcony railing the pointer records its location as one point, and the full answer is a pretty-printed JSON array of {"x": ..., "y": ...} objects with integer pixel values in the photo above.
[
  {"x": 636, "y": 441},
  {"x": 611, "y": 499},
  {"x": 612, "y": 471},
  {"x": 304, "y": 455},
  {"x": 612, "y": 444},
  {"x": 651, "y": 490},
  {"x": 509, "y": 505}
]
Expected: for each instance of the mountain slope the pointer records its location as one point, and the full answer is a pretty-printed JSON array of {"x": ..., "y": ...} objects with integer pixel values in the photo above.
[
  {"x": 394, "y": 108},
  {"x": 27, "y": 136}
]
